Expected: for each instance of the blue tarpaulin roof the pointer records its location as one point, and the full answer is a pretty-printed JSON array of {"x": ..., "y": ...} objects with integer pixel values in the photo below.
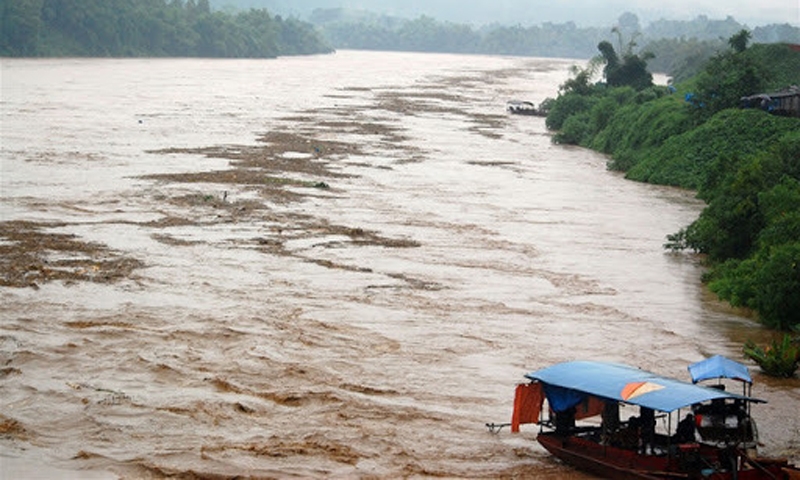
[
  {"x": 719, "y": 367},
  {"x": 622, "y": 383}
]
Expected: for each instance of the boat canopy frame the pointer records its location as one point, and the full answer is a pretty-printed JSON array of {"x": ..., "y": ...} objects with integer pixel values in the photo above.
[{"x": 568, "y": 384}]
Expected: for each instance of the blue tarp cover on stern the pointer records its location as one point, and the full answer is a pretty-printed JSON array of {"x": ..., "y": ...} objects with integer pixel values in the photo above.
[
  {"x": 719, "y": 367},
  {"x": 623, "y": 383}
]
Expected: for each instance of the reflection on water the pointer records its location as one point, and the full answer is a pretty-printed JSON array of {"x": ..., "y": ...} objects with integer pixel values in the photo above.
[{"x": 354, "y": 296}]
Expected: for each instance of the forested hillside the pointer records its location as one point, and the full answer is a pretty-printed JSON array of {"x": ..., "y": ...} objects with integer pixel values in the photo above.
[
  {"x": 684, "y": 53},
  {"x": 680, "y": 48},
  {"x": 122, "y": 28},
  {"x": 744, "y": 162},
  {"x": 195, "y": 28},
  {"x": 347, "y": 29}
]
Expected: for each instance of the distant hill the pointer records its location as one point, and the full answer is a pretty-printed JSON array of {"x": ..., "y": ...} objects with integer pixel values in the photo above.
[
  {"x": 678, "y": 46},
  {"x": 124, "y": 28},
  {"x": 479, "y": 13}
]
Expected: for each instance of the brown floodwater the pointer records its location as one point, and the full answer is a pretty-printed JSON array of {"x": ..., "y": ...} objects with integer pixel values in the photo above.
[{"x": 330, "y": 266}]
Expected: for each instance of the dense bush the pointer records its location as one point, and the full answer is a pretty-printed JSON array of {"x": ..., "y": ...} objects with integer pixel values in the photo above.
[
  {"x": 744, "y": 163},
  {"x": 752, "y": 227},
  {"x": 779, "y": 359},
  {"x": 566, "y": 106},
  {"x": 687, "y": 158},
  {"x": 751, "y": 232},
  {"x": 634, "y": 131}
]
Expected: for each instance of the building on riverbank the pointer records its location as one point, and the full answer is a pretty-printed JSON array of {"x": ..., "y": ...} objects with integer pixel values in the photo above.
[{"x": 785, "y": 103}]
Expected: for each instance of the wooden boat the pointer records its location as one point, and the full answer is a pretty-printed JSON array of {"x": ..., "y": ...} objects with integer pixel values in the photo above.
[
  {"x": 585, "y": 428},
  {"x": 519, "y": 107}
]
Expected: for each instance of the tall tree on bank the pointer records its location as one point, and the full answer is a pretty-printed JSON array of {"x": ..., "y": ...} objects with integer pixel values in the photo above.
[
  {"x": 628, "y": 71},
  {"x": 739, "y": 41},
  {"x": 728, "y": 77}
]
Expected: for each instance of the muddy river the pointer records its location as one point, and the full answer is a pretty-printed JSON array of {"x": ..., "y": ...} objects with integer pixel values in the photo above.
[{"x": 326, "y": 267}]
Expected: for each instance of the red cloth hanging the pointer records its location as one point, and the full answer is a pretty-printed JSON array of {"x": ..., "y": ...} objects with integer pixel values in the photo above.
[{"x": 528, "y": 401}]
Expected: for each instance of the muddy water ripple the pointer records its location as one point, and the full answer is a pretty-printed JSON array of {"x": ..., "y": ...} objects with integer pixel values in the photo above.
[{"x": 333, "y": 266}]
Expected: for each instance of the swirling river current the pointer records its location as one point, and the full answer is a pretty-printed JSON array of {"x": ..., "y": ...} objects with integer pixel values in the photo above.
[{"x": 333, "y": 266}]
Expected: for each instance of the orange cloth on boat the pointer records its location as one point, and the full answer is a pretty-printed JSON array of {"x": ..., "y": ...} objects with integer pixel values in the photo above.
[{"x": 528, "y": 401}]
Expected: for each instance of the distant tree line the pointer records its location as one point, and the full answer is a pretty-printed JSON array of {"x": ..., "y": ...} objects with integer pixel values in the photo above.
[
  {"x": 164, "y": 28},
  {"x": 193, "y": 28},
  {"x": 684, "y": 56},
  {"x": 679, "y": 48},
  {"x": 357, "y": 30},
  {"x": 424, "y": 34}
]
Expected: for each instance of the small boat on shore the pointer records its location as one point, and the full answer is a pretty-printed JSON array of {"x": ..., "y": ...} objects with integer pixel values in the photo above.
[
  {"x": 585, "y": 425},
  {"x": 520, "y": 107}
]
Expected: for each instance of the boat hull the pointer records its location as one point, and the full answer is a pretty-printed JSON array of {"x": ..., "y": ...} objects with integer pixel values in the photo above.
[{"x": 621, "y": 464}]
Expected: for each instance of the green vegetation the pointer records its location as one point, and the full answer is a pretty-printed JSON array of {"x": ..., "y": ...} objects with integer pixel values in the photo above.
[
  {"x": 630, "y": 70},
  {"x": 744, "y": 163},
  {"x": 125, "y": 28},
  {"x": 779, "y": 359},
  {"x": 347, "y": 29},
  {"x": 683, "y": 45}
]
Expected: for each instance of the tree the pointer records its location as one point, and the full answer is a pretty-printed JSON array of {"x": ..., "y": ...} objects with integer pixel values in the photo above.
[
  {"x": 739, "y": 41},
  {"x": 629, "y": 23},
  {"x": 20, "y": 24},
  {"x": 610, "y": 56},
  {"x": 728, "y": 77},
  {"x": 581, "y": 81},
  {"x": 768, "y": 283},
  {"x": 760, "y": 204},
  {"x": 629, "y": 71}
]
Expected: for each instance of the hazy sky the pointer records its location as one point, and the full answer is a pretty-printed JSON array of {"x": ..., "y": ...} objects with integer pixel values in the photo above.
[{"x": 753, "y": 13}]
